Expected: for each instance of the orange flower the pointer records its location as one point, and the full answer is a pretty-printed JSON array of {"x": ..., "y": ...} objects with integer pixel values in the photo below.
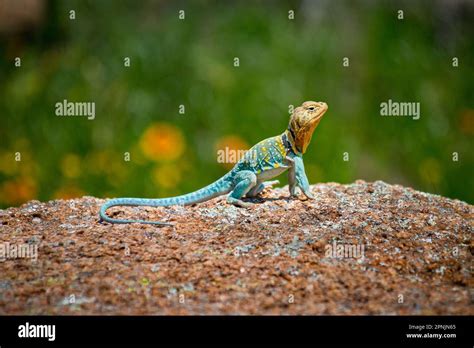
[
  {"x": 230, "y": 149},
  {"x": 430, "y": 171},
  {"x": 18, "y": 191},
  {"x": 466, "y": 122},
  {"x": 162, "y": 142},
  {"x": 71, "y": 165},
  {"x": 67, "y": 192}
]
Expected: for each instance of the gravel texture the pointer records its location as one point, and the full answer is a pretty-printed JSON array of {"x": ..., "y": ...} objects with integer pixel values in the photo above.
[{"x": 411, "y": 254}]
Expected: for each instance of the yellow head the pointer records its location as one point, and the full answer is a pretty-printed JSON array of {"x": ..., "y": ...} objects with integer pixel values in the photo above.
[{"x": 303, "y": 122}]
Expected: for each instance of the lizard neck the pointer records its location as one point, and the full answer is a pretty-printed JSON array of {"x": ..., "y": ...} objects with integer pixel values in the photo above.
[{"x": 288, "y": 138}]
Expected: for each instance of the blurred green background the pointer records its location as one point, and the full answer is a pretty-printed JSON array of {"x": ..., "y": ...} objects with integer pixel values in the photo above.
[{"x": 190, "y": 62}]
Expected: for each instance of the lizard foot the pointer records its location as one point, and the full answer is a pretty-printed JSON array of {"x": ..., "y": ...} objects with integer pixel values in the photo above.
[
  {"x": 238, "y": 202},
  {"x": 308, "y": 195}
]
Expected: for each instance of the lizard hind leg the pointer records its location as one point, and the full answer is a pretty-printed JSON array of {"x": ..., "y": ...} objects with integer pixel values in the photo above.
[
  {"x": 261, "y": 186},
  {"x": 244, "y": 182}
]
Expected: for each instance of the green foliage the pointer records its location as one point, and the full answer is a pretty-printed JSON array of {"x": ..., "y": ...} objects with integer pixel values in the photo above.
[{"x": 190, "y": 62}]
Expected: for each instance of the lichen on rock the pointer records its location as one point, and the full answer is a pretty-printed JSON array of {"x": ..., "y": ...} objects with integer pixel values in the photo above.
[{"x": 361, "y": 248}]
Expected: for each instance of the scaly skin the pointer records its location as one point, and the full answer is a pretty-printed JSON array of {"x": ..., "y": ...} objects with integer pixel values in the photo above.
[{"x": 266, "y": 160}]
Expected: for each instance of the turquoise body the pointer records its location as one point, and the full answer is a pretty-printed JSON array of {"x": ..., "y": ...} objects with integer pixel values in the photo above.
[{"x": 267, "y": 159}]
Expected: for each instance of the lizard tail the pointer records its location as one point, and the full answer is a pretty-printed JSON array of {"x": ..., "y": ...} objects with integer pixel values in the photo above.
[{"x": 217, "y": 188}]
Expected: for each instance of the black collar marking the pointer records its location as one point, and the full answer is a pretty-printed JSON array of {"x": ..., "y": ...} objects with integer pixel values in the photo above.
[
  {"x": 294, "y": 139},
  {"x": 287, "y": 143}
]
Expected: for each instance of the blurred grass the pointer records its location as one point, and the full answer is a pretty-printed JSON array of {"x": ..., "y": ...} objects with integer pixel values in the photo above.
[{"x": 190, "y": 62}]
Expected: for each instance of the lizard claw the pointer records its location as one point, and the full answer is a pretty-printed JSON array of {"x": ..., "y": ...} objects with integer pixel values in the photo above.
[
  {"x": 238, "y": 202},
  {"x": 308, "y": 195}
]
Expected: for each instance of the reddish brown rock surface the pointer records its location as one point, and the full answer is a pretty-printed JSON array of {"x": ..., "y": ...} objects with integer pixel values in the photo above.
[{"x": 267, "y": 259}]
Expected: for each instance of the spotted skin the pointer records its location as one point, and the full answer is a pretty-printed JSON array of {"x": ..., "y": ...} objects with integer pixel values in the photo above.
[
  {"x": 267, "y": 154},
  {"x": 265, "y": 160}
]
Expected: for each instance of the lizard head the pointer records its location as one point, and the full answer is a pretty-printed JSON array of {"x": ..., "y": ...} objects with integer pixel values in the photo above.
[{"x": 303, "y": 122}]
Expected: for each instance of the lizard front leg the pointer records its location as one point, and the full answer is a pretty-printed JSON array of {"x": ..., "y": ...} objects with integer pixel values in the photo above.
[
  {"x": 244, "y": 181},
  {"x": 297, "y": 177},
  {"x": 292, "y": 177}
]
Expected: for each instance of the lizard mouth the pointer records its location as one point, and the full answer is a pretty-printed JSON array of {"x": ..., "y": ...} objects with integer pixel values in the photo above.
[
  {"x": 306, "y": 132},
  {"x": 316, "y": 118},
  {"x": 323, "y": 107}
]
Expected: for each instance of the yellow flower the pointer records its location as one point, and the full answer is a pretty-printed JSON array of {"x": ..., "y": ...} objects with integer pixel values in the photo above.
[
  {"x": 166, "y": 176},
  {"x": 8, "y": 165},
  {"x": 430, "y": 171},
  {"x": 98, "y": 162},
  {"x": 14, "y": 162},
  {"x": 70, "y": 166},
  {"x": 162, "y": 142}
]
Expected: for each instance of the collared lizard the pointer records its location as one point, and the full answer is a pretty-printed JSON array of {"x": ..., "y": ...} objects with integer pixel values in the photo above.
[{"x": 266, "y": 160}]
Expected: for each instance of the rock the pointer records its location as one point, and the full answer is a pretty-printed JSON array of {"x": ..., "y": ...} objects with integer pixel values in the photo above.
[{"x": 352, "y": 250}]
